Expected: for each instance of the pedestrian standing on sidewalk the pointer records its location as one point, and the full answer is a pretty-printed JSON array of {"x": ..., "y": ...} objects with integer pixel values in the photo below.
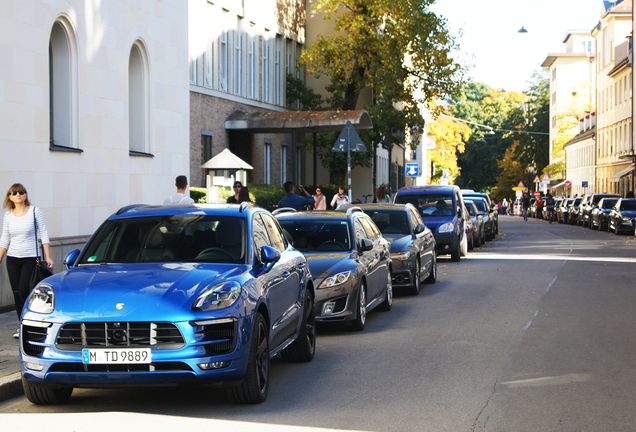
[
  {"x": 525, "y": 201},
  {"x": 339, "y": 199},
  {"x": 180, "y": 197},
  {"x": 504, "y": 206},
  {"x": 19, "y": 244},
  {"x": 381, "y": 196},
  {"x": 321, "y": 200}
]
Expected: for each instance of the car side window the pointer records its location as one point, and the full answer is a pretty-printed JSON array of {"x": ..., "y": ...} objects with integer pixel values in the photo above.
[
  {"x": 260, "y": 235},
  {"x": 275, "y": 235},
  {"x": 413, "y": 218},
  {"x": 359, "y": 230},
  {"x": 371, "y": 229}
]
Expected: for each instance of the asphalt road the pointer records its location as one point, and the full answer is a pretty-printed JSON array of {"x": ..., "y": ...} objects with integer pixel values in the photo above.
[{"x": 532, "y": 332}]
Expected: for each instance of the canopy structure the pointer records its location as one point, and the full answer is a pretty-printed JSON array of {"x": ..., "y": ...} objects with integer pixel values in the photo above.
[
  {"x": 226, "y": 160},
  {"x": 616, "y": 177},
  {"x": 298, "y": 121}
]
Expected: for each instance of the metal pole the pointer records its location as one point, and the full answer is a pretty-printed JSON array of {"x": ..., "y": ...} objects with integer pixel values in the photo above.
[
  {"x": 295, "y": 169},
  {"x": 349, "y": 162},
  {"x": 315, "y": 158}
]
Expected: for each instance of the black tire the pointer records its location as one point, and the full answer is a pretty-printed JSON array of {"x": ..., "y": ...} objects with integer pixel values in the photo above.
[
  {"x": 387, "y": 304},
  {"x": 414, "y": 289},
  {"x": 255, "y": 385},
  {"x": 45, "y": 395},
  {"x": 496, "y": 230},
  {"x": 432, "y": 276},
  {"x": 471, "y": 243},
  {"x": 483, "y": 235},
  {"x": 478, "y": 240},
  {"x": 456, "y": 255},
  {"x": 361, "y": 314},
  {"x": 302, "y": 350},
  {"x": 617, "y": 230}
]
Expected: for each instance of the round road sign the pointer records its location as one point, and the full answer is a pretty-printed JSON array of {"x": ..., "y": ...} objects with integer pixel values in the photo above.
[
  {"x": 537, "y": 194},
  {"x": 568, "y": 184}
]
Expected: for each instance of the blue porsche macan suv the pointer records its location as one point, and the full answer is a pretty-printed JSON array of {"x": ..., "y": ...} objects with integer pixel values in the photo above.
[{"x": 171, "y": 295}]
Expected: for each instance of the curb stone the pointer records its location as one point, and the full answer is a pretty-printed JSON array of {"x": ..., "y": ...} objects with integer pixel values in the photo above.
[{"x": 11, "y": 386}]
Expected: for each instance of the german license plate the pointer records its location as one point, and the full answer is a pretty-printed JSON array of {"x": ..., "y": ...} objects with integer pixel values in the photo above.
[{"x": 116, "y": 356}]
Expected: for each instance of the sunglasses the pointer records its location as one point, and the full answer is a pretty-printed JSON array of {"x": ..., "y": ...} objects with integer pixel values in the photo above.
[
  {"x": 237, "y": 187},
  {"x": 14, "y": 193}
]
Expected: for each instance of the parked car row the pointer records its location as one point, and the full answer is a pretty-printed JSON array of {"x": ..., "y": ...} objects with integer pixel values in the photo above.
[
  {"x": 596, "y": 211},
  {"x": 208, "y": 294}
]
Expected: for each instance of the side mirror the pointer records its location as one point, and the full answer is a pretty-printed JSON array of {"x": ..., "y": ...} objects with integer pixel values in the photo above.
[
  {"x": 459, "y": 210},
  {"x": 70, "y": 258},
  {"x": 365, "y": 245},
  {"x": 420, "y": 228},
  {"x": 269, "y": 256}
]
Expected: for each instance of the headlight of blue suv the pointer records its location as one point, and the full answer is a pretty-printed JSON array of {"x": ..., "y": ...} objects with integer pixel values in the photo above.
[
  {"x": 445, "y": 228},
  {"x": 334, "y": 280},
  {"x": 42, "y": 299},
  {"x": 219, "y": 296},
  {"x": 401, "y": 255}
]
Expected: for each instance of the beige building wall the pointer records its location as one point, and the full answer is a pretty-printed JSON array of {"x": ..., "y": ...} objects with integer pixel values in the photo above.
[
  {"x": 90, "y": 171},
  {"x": 614, "y": 99}
]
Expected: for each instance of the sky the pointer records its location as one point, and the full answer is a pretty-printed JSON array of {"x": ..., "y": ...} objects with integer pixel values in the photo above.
[{"x": 502, "y": 57}]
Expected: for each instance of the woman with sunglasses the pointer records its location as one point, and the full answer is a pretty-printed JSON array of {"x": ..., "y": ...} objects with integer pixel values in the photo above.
[
  {"x": 235, "y": 199},
  {"x": 19, "y": 244},
  {"x": 321, "y": 200}
]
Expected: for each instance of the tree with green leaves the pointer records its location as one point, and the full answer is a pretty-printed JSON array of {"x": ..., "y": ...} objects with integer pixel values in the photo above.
[{"x": 399, "y": 49}]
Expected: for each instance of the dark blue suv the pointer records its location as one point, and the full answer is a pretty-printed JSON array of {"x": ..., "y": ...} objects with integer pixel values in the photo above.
[{"x": 442, "y": 208}]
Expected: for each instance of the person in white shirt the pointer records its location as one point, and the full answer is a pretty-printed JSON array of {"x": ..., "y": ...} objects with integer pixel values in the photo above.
[
  {"x": 180, "y": 197},
  {"x": 341, "y": 198},
  {"x": 19, "y": 244}
]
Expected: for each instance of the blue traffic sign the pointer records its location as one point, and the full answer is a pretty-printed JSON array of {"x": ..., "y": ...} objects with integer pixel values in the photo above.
[
  {"x": 412, "y": 169},
  {"x": 584, "y": 184}
]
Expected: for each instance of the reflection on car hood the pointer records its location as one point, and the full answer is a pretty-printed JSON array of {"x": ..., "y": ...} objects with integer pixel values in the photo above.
[
  {"x": 144, "y": 290},
  {"x": 321, "y": 264},
  {"x": 398, "y": 241},
  {"x": 628, "y": 213}
]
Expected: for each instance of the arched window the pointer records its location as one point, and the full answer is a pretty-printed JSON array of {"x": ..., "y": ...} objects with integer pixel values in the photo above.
[
  {"x": 63, "y": 87},
  {"x": 138, "y": 105}
]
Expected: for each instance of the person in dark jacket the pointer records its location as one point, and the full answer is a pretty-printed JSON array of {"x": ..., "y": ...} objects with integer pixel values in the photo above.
[{"x": 525, "y": 202}]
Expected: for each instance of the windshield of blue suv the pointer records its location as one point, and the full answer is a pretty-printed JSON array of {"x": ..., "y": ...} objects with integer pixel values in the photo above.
[
  {"x": 429, "y": 205},
  {"x": 390, "y": 221},
  {"x": 628, "y": 205},
  {"x": 311, "y": 235},
  {"x": 181, "y": 238},
  {"x": 608, "y": 203}
]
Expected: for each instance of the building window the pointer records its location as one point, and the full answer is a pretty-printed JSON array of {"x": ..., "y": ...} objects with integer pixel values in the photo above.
[
  {"x": 208, "y": 65},
  {"x": 278, "y": 71},
  {"x": 554, "y": 74},
  {"x": 63, "y": 89},
  {"x": 206, "y": 150},
  {"x": 283, "y": 163},
  {"x": 266, "y": 70},
  {"x": 299, "y": 51},
  {"x": 289, "y": 57},
  {"x": 267, "y": 162},
  {"x": 138, "y": 103},
  {"x": 223, "y": 61},
  {"x": 251, "y": 75},
  {"x": 238, "y": 60}
]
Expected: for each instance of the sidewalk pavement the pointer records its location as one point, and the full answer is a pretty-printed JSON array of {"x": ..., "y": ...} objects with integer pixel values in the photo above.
[{"x": 10, "y": 380}]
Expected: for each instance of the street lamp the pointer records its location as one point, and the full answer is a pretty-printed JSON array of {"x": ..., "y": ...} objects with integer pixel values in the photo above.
[{"x": 522, "y": 30}]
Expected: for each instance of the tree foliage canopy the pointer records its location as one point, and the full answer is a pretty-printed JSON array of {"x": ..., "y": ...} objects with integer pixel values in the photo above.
[
  {"x": 397, "y": 48},
  {"x": 450, "y": 137}
]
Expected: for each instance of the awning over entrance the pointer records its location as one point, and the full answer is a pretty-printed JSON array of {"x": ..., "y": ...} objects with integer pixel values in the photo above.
[
  {"x": 299, "y": 121},
  {"x": 616, "y": 177}
]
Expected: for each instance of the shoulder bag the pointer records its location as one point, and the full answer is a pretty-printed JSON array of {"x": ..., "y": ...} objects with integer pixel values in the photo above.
[{"x": 41, "y": 270}]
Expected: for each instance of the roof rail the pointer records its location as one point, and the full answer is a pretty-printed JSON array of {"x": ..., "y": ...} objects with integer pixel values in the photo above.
[
  {"x": 244, "y": 206},
  {"x": 129, "y": 207},
  {"x": 352, "y": 210},
  {"x": 283, "y": 210}
]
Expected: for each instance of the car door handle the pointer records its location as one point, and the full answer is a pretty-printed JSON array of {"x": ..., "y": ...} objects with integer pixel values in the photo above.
[
  {"x": 286, "y": 274},
  {"x": 302, "y": 266}
]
